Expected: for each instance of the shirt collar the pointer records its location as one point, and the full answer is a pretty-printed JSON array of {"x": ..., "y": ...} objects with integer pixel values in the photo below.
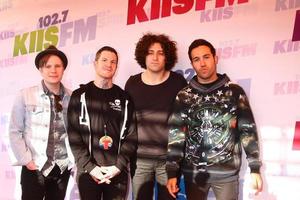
[{"x": 48, "y": 92}]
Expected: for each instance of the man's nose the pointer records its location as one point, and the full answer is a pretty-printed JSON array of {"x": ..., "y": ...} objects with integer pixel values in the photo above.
[
  {"x": 108, "y": 64},
  {"x": 202, "y": 63},
  {"x": 52, "y": 69}
]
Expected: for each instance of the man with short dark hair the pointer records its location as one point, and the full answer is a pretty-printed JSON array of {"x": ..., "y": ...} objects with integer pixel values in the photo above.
[
  {"x": 153, "y": 92},
  {"x": 211, "y": 123},
  {"x": 37, "y": 131},
  {"x": 102, "y": 132}
]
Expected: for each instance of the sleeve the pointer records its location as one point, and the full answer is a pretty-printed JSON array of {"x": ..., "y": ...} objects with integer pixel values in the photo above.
[
  {"x": 128, "y": 84},
  {"x": 176, "y": 142},
  {"x": 128, "y": 143},
  {"x": 248, "y": 132},
  {"x": 21, "y": 153},
  {"x": 183, "y": 81},
  {"x": 76, "y": 135}
]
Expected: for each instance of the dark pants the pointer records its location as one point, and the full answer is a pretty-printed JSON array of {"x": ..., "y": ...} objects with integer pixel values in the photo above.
[
  {"x": 35, "y": 186},
  {"x": 90, "y": 190},
  {"x": 222, "y": 191}
]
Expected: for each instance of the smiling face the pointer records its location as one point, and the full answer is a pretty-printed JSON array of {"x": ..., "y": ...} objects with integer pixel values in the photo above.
[
  {"x": 52, "y": 71},
  {"x": 106, "y": 65},
  {"x": 205, "y": 64},
  {"x": 156, "y": 59}
]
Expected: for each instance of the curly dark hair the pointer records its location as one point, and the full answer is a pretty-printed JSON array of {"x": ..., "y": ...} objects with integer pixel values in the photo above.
[{"x": 168, "y": 46}]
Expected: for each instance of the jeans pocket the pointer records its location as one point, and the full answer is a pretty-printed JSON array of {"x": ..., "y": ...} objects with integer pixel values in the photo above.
[{"x": 31, "y": 176}]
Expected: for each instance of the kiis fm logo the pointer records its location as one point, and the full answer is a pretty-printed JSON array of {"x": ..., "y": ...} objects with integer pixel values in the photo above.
[
  {"x": 287, "y": 88},
  {"x": 6, "y": 34},
  {"x": 290, "y": 45},
  {"x": 282, "y": 5},
  {"x": 37, "y": 40},
  {"x": 286, "y": 46},
  {"x": 234, "y": 49},
  {"x": 164, "y": 8}
]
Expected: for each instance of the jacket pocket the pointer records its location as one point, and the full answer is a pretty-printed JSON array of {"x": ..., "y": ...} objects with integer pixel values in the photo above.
[
  {"x": 34, "y": 109},
  {"x": 35, "y": 116}
]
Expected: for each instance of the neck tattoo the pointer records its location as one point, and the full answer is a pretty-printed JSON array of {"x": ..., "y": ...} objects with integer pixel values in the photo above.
[{"x": 103, "y": 84}]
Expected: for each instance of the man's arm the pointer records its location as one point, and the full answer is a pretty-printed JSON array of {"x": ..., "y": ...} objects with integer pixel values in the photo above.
[
  {"x": 176, "y": 143},
  {"x": 128, "y": 143},
  {"x": 16, "y": 132},
  {"x": 79, "y": 148},
  {"x": 172, "y": 186},
  {"x": 257, "y": 183},
  {"x": 249, "y": 139}
]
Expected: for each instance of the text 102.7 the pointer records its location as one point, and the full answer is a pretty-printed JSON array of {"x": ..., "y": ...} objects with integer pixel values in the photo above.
[{"x": 53, "y": 19}]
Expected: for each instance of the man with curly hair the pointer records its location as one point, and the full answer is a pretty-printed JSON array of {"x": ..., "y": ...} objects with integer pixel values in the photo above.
[{"x": 153, "y": 92}]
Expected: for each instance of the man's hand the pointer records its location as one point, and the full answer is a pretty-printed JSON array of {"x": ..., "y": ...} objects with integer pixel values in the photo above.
[
  {"x": 110, "y": 171},
  {"x": 95, "y": 179},
  {"x": 98, "y": 177},
  {"x": 172, "y": 187},
  {"x": 31, "y": 165},
  {"x": 257, "y": 183}
]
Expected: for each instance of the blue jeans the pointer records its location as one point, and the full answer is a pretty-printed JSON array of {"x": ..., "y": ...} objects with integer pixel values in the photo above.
[{"x": 147, "y": 172}]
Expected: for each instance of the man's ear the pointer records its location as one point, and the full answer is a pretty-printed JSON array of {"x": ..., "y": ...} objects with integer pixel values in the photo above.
[{"x": 216, "y": 59}]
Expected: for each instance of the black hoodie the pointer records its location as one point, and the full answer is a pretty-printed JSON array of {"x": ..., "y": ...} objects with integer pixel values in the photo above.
[{"x": 92, "y": 108}]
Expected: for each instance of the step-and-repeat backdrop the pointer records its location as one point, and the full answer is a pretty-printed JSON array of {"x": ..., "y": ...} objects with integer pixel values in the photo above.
[{"x": 257, "y": 43}]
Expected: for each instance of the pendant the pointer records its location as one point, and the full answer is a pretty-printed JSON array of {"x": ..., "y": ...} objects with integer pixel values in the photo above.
[{"x": 105, "y": 142}]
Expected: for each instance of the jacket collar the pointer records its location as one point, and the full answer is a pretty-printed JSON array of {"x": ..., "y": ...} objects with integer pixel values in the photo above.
[
  {"x": 222, "y": 80},
  {"x": 43, "y": 90}
]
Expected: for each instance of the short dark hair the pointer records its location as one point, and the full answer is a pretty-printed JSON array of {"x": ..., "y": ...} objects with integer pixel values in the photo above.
[
  {"x": 168, "y": 46},
  {"x": 106, "y": 48},
  {"x": 201, "y": 42}
]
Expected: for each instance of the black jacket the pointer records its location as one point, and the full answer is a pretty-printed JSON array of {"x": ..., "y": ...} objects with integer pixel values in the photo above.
[
  {"x": 91, "y": 108},
  {"x": 209, "y": 127}
]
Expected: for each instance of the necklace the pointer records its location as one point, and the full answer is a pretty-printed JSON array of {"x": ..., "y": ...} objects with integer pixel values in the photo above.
[{"x": 105, "y": 142}]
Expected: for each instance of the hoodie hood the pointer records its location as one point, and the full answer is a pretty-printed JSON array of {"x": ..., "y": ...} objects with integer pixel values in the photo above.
[{"x": 222, "y": 80}]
